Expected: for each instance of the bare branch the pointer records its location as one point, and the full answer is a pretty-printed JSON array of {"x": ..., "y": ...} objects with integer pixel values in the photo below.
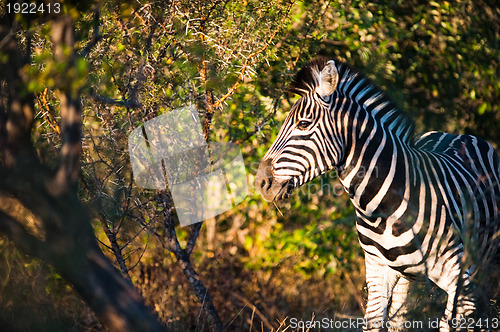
[
  {"x": 255, "y": 309},
  {"x": 96, "y": 36},
  {"x": 140, "y": 71},
  {"x": 195, "y": 232},
  {"x": 20, "y": 236},
  {"x": 7, "y": 39},
  {"x": 128, "y": 103},
  {"x": 111, "y": 235}
]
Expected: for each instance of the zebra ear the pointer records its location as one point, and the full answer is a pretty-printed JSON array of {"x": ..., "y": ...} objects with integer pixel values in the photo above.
[{"x": 328, "y": 79}]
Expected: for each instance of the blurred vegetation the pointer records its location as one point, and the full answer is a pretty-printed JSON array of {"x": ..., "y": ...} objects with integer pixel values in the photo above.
[{"x": 260, "y": 263}]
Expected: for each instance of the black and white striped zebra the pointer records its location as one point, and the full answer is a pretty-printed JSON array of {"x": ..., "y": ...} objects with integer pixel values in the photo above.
[{"x": 425, "y": 205}]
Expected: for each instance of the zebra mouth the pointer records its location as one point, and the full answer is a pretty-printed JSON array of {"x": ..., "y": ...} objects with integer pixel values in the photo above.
[
  {"x": 285, "y": 191},
  {"x": 270, "y": 187}
]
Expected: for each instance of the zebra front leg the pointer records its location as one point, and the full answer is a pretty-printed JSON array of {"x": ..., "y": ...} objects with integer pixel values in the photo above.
[
  {"x": 458, "y": 306},
  {"x": 380, "y": 280},
  {"x": 460, "y": 302},
  {"x": 398, "y": 308}
]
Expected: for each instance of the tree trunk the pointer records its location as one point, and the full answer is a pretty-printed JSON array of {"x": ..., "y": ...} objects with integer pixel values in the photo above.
[
  {"x": 115, "y": 301},
  {"x": 65, "y": 238}
]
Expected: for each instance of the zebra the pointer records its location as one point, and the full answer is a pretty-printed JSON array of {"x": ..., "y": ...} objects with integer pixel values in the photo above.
[{"x": 426, "y": 205}]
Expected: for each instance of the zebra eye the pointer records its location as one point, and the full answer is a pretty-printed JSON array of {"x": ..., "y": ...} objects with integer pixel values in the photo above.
[{"x": 303, "y": 124}]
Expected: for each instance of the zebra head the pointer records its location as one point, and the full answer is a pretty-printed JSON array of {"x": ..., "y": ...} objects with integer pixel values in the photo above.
[{"x": 307, "y": 145}]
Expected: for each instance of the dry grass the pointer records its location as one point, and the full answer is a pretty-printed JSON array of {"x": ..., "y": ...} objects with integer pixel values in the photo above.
[
  {"x": 34, "y": 298},
  {"x": 247, "y": 300}
]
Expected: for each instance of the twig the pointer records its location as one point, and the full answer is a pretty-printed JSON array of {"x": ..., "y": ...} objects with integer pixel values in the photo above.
[
  {"x": 277, "y": 208},
  {"x": 128, "y": 103},
  {"x": 96, "y": 36},
  {"x": 141, "y": 255},
  {"x": 140, "y": 71},
  {"x": 257, "y": 311},
  {"x": 47, "y": 111},
  {"x": 358, "y": 297},
  {"x": 117, "y": 251}
]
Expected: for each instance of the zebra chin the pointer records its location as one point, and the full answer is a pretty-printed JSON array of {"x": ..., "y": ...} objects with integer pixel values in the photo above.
[{"x": 268, "y": 186}]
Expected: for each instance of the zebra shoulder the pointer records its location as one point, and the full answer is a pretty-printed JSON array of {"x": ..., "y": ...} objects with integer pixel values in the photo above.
[{"x": 467, "y": 148}]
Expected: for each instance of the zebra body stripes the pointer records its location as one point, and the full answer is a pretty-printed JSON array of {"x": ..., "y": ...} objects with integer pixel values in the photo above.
[{"x": 426, "y": 205}]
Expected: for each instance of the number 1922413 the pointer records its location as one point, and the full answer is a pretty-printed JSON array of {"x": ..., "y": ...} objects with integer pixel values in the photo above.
[{"x": 33, "y": 8}]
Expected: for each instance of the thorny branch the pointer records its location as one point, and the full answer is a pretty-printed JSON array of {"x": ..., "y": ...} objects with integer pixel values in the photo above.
[
  {"x": 249, "y": 60},
  {"x": 47, "y": 112},
  {"x": 169, "y": 240}
]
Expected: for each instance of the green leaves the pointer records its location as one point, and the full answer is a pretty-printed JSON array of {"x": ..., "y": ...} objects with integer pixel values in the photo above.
[
  {"x": 313, "y": 249},
  {"x": 47, "y": 72}
]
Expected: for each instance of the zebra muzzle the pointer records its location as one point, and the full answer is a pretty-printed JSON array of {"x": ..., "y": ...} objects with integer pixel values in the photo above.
[{"x": 266, "y": 184}]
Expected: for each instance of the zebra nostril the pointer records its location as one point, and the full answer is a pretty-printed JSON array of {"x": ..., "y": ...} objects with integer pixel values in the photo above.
[
  {"x": 264, "y": 180},
  {"x": 267, "y": 183},
  {"x": 264, "y": 184}
]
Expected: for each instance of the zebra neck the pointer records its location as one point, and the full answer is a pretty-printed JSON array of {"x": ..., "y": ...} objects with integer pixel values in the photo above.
[
  {"x": 376, "y": 170},
  {"x": 370, "y": 104},
  {"x": 376, "y": 134}
]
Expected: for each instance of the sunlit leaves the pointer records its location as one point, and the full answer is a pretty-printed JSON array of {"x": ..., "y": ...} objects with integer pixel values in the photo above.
[{"x": 68, "y": 74}]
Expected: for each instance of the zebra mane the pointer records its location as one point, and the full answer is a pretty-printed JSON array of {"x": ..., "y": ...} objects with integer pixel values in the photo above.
[{"x": 308, "y": 78}]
